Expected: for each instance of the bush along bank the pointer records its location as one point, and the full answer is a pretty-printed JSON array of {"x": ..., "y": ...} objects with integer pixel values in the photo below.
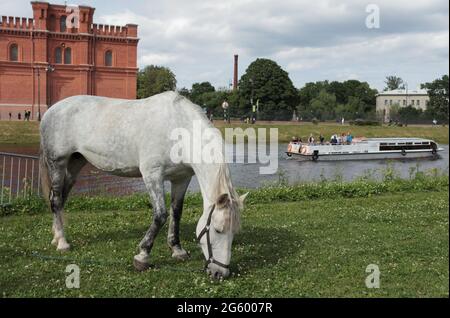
[{"x": 362, "y": 188}]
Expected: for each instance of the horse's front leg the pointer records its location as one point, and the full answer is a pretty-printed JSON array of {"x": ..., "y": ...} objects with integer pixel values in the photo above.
[
  {"x": 155, "y": 186},
  {"x": 179, "y": 188}
]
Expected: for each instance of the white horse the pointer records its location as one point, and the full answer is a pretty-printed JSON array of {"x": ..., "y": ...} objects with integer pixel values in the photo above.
[{"x": 130, "y": 138}]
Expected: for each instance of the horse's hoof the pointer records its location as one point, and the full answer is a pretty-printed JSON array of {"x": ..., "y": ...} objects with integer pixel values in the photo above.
[
  {"x": 180, "y": 254},
  {"x": 63, "y": 247},
  {"x": 140, "y": 266}
]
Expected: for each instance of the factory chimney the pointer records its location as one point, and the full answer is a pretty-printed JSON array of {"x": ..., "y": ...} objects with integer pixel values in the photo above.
[{"x": 235, "y": 78}]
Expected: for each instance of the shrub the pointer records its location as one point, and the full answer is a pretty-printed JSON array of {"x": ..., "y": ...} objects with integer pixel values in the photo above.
[{"x": 363, "y": 122}]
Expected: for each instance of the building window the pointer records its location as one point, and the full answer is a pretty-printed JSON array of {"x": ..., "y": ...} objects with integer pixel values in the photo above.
[
  {"x": 404, "y": 102},
  {"x": 63, "y": 24},
  {"x": 68, "y": 56},
  {"x": 412, "y": 102},
  {"x": 58, "y": 55},
  {"x": 418, "y": 102},
  {"x": 385, "y": 102},
  {"x": 14, "y": 53},
  {"x": 390, "y": 102},
  {"x": 108, "y": 58},
  {"x": 52, "y": 23}
]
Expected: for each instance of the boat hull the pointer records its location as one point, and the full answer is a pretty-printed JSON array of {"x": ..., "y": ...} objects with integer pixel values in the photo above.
[{"x": 367, "y": 156}]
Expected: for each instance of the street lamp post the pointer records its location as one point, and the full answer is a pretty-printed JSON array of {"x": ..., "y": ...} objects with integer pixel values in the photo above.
[
  {"x": 251, "y": 102},
  {"x": 48, "y": 68}
]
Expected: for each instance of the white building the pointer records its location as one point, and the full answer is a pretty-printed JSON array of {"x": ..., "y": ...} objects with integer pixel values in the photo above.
[{"x": 416, "y": 98}]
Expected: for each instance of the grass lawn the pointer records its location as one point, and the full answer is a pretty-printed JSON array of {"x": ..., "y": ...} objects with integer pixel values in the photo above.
[
  {"x": 294, "y": 249},
  {"x": 27, "y": 133}
]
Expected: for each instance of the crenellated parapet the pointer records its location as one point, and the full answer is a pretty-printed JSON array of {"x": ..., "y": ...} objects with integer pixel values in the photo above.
[
  {"x": 128, "y": 31},
  {"x": 16, "y": 23}
]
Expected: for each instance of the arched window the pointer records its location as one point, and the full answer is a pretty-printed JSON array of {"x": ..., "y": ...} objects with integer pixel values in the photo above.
[
  {"x": 58, "y": 55},
  {"x": 63, "y": 24},
  {"x": 68, "y": 56},
  {"x": 108, "y": 58},
  {"x": 14, "y": 53}
]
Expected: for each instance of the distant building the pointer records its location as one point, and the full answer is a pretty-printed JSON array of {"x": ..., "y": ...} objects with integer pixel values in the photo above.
[
  {"x": 416, "y": 98},
  {"x": 60, "y": 52}
]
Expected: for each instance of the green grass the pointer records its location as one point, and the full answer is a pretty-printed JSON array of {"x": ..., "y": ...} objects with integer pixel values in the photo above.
[
  {"x": 314, "y": 248},
  {"x": 27, "y": 133},
  {"x": 19, "y": 132}
]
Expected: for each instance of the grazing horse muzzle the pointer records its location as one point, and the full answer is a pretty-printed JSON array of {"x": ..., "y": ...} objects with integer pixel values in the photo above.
[{"x": 213, "y": 267}]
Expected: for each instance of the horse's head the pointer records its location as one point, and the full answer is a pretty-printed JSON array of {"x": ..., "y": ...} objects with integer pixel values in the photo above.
[{"x": 215, "y": 232}]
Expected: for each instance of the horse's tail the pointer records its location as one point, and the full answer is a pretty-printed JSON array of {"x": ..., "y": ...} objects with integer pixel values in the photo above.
[{"x": 44, "y": 176}]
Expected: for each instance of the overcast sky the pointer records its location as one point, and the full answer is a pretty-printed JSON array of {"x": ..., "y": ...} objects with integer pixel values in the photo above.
[{"x": 312, "y": 40}]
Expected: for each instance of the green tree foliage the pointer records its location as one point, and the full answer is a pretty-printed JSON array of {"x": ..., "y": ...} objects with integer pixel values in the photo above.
[
  {"x": 438, "y": 90},
  {"x": 198, "y": 90},
  {"x": 266, "y": 81},
  {"x": 185, "y": 92},
  {"x": 394, "y": 82},
  {"x": 353, "y": 99},
  {"x": 323, "y": 106},
  {"x": 409, "y": 114},
  {"x": 153, "y": 80}
]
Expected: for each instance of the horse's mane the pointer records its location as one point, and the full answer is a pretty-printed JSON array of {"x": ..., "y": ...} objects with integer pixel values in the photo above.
[{"x": 224, "y": 186}]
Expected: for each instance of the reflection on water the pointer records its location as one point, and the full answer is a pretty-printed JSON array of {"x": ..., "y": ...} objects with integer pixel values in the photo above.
[{"x": 247, "y": 175}]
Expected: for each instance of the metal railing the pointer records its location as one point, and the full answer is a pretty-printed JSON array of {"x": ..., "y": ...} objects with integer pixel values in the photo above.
[{"x": 19, "y": 176}]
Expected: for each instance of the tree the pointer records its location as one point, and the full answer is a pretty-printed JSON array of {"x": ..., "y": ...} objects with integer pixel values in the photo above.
[
  {"x": 438, "y": 90},
  {"x": 185, "y": 92},
  {"x": 265, "y": 81},
  {"x": 323, "y": 106},
  {"x": 198, "y": 89},
  {"x": 394, "y": 82},
  {"x": 153, "y": 80},
  {"x": 354, "y": 99},
  {"x": 409, "y": 114}
]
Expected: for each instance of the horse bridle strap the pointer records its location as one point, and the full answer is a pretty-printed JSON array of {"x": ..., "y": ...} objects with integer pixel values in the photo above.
[{"x": 208, "y": 241}]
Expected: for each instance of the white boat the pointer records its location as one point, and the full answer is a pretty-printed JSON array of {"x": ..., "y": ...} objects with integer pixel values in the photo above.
[{"x": 366, "y": 148}]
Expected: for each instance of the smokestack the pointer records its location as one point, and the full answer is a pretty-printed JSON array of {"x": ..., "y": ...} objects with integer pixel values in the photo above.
[{"x": 235, "y": 78}]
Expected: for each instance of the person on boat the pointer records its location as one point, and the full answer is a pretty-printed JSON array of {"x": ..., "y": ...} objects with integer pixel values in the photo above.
[
  {"x": 349, "y": 138},
  {"x": 294, "y": 140},
  {"x": 322, "y": 139},
  {"x": 311, "y": 139},
  {"x": 334, "y": 140}
]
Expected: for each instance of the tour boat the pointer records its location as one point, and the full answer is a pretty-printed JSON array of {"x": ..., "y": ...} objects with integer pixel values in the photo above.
[{"x": 366, "y": 148}]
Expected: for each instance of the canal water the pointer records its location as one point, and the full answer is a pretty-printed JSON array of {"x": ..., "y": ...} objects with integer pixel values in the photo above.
[{"x": 248, "y": 175}]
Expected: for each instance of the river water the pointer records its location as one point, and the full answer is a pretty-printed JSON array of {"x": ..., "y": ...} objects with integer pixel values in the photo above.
[{"x": 248, "y": 175}]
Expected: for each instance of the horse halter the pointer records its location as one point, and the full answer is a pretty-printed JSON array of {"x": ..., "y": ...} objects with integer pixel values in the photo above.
[{"x": 208, "y": 241}]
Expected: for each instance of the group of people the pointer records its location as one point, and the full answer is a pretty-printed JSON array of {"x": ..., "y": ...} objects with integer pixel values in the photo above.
[
  {"x": 343, "y": 139},
  {"x": 26, "y": 116}
]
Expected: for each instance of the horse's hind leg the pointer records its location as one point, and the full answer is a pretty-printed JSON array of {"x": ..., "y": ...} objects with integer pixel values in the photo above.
[
  {"x": 74, "y": 166},
  {"x": 76, "y": 163},
  {"x": 179, "y": 188},
  {"x": 57, "y": 173}
]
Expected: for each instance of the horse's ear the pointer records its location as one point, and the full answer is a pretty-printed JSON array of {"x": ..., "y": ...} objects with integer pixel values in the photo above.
[
  {"x": 243, "y": 197},
  {"x": 223, "y": 200}
]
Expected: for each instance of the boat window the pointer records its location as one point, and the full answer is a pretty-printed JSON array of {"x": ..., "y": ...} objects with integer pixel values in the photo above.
[{"x": 406, "y": 147}]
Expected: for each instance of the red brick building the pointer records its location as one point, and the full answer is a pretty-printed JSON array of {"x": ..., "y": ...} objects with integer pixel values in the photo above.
[{"x": 59, "y": 53}]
